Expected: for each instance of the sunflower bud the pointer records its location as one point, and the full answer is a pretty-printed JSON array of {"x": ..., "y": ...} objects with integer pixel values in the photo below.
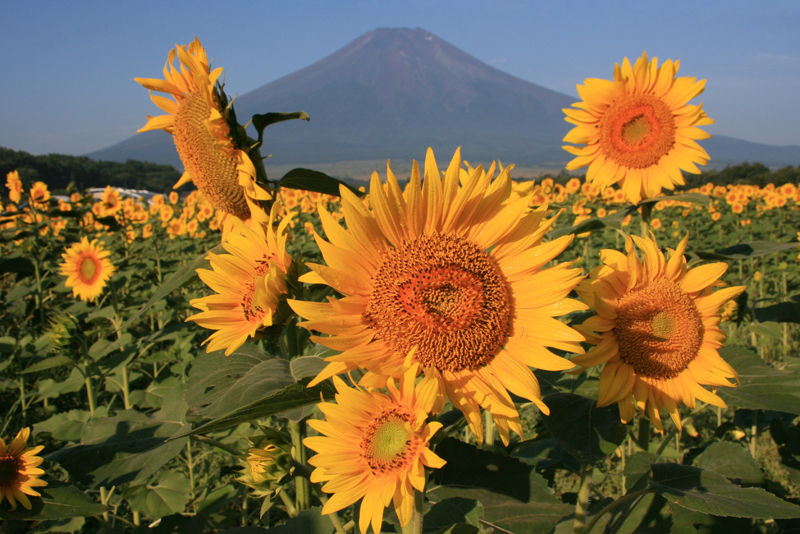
[
  {"x": 269, "y": 463},
  {"x": 62, "y": 330}
]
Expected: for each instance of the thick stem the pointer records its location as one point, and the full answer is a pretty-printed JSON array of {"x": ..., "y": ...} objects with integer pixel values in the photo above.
[
  {"x": 643, "y": 440},
  {"x": 754, "y": 434},
  {"x": 582, "y": 506},
  {"x": 89, "y": 391},
  {"x": 298, "y": 431},
  {"x": 646, "y": 209},
  {"x": 190, "y": 465},
  {"x": 126, "y": 401},
  {"x": 488, "y": 425},
  {"x": 291, "y": 511}
]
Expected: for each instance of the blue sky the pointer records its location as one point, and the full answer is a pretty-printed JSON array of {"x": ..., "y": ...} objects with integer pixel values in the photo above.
[{"x": 69, "y": 66}]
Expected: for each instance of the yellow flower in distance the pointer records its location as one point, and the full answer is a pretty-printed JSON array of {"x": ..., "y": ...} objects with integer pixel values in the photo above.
[
  {"x": 638, "y": 129},
  {"x": 658, "y": 326},
  {"x": 19, "y": 470},
  {"x": 87, "y": 268},
  {"x": 14, "y": 185},
  {"x": 375, "y": 446},
  {"x": 223, "y": 172},
  {"x": 248, "y": 283},
  {"x": 455, "y": 269}
]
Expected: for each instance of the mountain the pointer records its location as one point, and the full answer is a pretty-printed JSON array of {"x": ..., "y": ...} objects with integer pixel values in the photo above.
[{"x": 391, "y": 93}]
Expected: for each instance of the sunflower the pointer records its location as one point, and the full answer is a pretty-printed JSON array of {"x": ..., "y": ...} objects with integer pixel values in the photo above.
[
  {"x": 454, "y": 269},
  {"x": 658, "y": 326},
  {"x": 87, "y": 268},
  {"x": 196, "y": 120},
  {"x": 638, "y": 129},
  {"x": 375, "y": 446},
  {"x": 248, "y": 283},
  {"x": 19, "y": 471}
]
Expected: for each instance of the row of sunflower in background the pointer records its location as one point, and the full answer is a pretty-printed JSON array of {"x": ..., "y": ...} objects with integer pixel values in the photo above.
[{"x": 445, "y": 309}]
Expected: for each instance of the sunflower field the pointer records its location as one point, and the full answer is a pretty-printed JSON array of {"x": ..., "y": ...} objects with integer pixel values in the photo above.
[{"x": 450, "y": 352}]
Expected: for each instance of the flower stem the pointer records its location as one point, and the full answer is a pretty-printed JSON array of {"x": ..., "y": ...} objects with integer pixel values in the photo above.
[
  {"x": 298, "y": 431},
  {"x": 643, "y": 440},
  {"x": 488, "y": 424},
  {"x": 291, "y": 511},
  {"x": 646, "y": 211},
  {"x": 582, "y": 506}
]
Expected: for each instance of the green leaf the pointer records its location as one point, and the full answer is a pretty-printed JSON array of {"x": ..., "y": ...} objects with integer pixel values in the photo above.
[
  {"x": 459, "y": 528},
  {"x": 693, "y": 198},
  {"x": 593, "y": 223},
  {"x": 762, "y": 387},
  {"x": 260, "y": 122},
  {"x": 103, "y": 347},
  {"x": 128, "y": 446},
  {"x": 58, "y": 501},
  {"x": 753, "y": 249},
  {"x": 731, "y": 460},
  {"x": 784, "y": 312},
  {"x": 711, "y": 493},
  {"x": 514, "y": 497},
  {"x": 453, "y": 510},
  {"x": 168, "y": 496},
  {"x": 309, "y": 521},
  {"x": 49, "y": 363},
  {"x": 176, "y": 280},
  {"x": 585, "y": 431},
  {"x": 688, "y": 522},
  {"x": 293, "y": 396},
  {"x": 219, "y": 385},
  {"x": 638, "y": 466},
  {"x": 309, "y": 180},
  {"x": 68, "y": 524},
  {"x": 18, "y": 265},
  {"x": 65, "y": 426}
]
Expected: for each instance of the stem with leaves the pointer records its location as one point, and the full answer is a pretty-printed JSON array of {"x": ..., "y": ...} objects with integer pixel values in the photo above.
[{"x": 582, "y": 506}]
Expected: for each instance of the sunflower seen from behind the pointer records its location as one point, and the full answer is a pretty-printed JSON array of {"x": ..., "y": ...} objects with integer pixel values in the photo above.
[
  {"x": 449, "y": 274},
  {"x": 87, "y": 268},
  {"x": 248, "y": 283},
  {"x": 196, "y": 119},
  {"x": 19, "y": 470},
  {"x": 375, "y": 446},
  {"x": 638, "y": 129},
  {"x": 656, "y": 330}
]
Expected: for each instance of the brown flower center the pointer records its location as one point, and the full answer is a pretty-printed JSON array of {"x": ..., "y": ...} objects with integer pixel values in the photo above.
[
  {"x": 658, "y": 329},
  {"x": 10, "y": 467},
  {"x": 446, "y": 297},
  {"x": 213, "y": 170},
  {"x": 637, "y": 130},
  {"x": 388, "y": 442},
  {"x": 89, "y": 269}
]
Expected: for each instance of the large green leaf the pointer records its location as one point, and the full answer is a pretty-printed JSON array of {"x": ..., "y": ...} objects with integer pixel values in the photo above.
[
  {"x": 49, "y": 363},
  {"x": 732, "y": 461},
  {"x": 453, "y": 510},
  {"x": 219, "y": 385},
  {"x": 67, "y": 426},
  {"x": 514, "y": 497},
  {"x": 309, "y": 180},
  {"x": 175, "y": 280},
  {"x": 753, "y": 249},
  {"x": 689, "y": 522},
  {"x": 709, "y": 492},
  {"x": 585, "y": 431},
  {"x": 762, "y": 386},
  {"x": 58, "y": 501},
  {"x": 128, "y": 446},
  {"x": 693, "y": 198},
  {"x": 293, "y": 396},
  {"x": 309, "y": 521},
  {"x": 167, "y": 496},
  {"x": 783, "y": 312},
  {"x": 261, "y": 121}
]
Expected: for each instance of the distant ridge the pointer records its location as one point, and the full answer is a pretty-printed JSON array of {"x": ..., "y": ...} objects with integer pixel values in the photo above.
[{"x": 391, "y": 93}]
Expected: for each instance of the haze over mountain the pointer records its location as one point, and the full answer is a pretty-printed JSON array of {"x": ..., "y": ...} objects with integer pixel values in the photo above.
[{"x": 391, "y": 93}]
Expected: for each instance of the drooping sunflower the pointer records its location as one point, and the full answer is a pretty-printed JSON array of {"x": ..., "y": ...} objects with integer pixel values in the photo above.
[
  {"x": 638, "y": 129},
  {"x": 87, "y": 268},
  {"x": 657, "y": 330},
  {"x": 196, "y": 119},
  {"x": 19, "y": 470},
  {"x": 248, "y": 282},
  {"x": 375, "y": 446},
  {"x": 454, "y": 270}
]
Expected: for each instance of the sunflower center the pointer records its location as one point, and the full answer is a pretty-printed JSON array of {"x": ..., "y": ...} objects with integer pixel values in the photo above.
[
  {"x": 445, "y": 296},
  {"x": 213, "y": 169},
  {"x": 253, "y": 312},
  {"x": 658, "y": 329},
  {"x": 88, "y": 269},
  {"x": 637, "y": 130},
  {"x": 9, "y": 470},
  {"x": 388, "y": 442}
]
